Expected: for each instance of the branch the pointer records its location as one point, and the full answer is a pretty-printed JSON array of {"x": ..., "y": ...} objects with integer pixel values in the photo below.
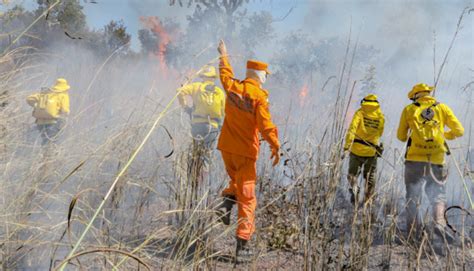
[
  {"x": 105, "y": 249},
  {"x": 284, "y": 17}
]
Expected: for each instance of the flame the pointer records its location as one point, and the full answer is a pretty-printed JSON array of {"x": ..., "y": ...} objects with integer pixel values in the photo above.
[
  {"x": 303, "y": 93},
  {"x": 164, "y": 38}
]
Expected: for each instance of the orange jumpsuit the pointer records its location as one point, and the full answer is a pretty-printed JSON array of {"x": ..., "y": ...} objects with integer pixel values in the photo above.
[{"x": 246, "y": 114}]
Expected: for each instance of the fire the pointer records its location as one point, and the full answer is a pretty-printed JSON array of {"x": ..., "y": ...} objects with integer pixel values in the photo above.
[
  {"x": 303, "y": 93},
  {"x": 164, "y": 38}
]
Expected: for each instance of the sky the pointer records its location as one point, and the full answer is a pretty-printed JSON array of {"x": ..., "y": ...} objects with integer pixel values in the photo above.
[
  {"x": 405, "y": 31},
  {"x": 101, "y": 13},
  {"x": 321, "y": 18}
]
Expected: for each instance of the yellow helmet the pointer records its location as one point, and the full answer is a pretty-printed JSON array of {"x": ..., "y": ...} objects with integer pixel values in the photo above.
[
  {"x": 61, "y": 85},
  {"x": 208, "y": 71},
  {"x": 419, "y": 88},
  {"x": 370, "y": 99}
]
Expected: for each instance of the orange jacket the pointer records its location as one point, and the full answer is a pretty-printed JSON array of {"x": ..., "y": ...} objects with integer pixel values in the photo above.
[{"x": 246, "y": 113}]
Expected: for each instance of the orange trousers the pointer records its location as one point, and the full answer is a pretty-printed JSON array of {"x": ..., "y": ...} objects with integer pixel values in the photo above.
[{"x": 243, "y": 176}]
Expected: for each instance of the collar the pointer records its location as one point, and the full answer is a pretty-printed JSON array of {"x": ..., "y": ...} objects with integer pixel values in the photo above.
[
  {"x": 255, "y": 83},
  {"x": 426, "y": 99},
  {"x": 252, "y": 81}
]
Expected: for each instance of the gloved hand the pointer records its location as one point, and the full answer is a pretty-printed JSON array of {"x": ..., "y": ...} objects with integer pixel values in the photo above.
[
  {"x": 344, "y": 154},
  {"x": 275, "y": 156},
  {"x": 222, "y": 49},
  {"x": 449, "y": 135},
  {"x": 379, "y": 150}
]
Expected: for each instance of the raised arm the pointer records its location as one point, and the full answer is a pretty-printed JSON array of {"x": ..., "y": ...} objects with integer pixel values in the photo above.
[{"x": 226, "y": 72}]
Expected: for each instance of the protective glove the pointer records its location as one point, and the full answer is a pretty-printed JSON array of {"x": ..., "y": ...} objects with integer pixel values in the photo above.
[
  {"x": 449, "y": 135},
  {"x": 275, "y": 156},
  {"x": 344, "y": 154},
  {"x": 222, "y": 49},
  {"x": 379, "y": 150}
]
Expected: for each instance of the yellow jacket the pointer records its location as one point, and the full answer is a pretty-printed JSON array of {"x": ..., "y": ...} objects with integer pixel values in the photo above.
[
  {"x": 57, "y": 105},
  {"x": 367, "y": 125},
  {"x": 208, "y": 102},
  {"x": 445, "y": 116}
]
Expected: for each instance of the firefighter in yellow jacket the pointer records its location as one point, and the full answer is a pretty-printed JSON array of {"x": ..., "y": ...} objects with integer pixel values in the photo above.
[
  {"x": 422, "y": 126},
  {"x": 207, "y": 111},
  {"x": 50, "y": 107},
  {"x": 362, "y": 140}
]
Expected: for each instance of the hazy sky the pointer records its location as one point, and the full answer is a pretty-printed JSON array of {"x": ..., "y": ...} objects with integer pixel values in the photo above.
[
  {"x": 376, "y": 20},
  {"x": 130, "y": 11}
]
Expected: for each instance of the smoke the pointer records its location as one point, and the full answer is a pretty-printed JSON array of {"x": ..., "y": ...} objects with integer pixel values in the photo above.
[
  {"x": 114, "y": 98},
  {"x": 405, "y": 31}
]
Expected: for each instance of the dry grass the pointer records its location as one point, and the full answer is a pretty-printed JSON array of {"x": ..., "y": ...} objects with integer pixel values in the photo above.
[{"x": 159, "y": 214}]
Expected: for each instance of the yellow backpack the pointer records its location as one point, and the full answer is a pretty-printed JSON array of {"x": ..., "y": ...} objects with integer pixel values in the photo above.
[
  {"x": 427, "y": 136},
  {"x": 46, "y": 106},
  {"x": 208, "y": 102}
]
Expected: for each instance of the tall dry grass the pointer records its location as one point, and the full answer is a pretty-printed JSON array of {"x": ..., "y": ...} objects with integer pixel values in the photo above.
[{"x": 160, "y": 213}]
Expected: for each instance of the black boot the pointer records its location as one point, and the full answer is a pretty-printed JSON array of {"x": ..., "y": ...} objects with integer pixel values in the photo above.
[
  {"x": 223, "y": 210},
  {"x": 242, "y": 252}
]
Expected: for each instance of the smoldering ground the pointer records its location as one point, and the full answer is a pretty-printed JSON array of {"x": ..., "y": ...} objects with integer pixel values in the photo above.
[{"x": 115, "y": 100}]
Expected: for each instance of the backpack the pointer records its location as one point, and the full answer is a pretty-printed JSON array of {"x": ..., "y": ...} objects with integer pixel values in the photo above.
[
  {"x": 427, "y": 137},
  {"x": 46, "y": 106},
  {"x": 208, "y": 101}
]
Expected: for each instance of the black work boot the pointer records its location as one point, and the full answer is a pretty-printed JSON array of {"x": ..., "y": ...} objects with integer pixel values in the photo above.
[
  {"x": 243, "y": 253},
  {"x": 223, "y": 210}
]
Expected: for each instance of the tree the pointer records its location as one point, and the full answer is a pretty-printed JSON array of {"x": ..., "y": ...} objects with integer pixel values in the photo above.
[
  {"x": 68, "y": 14},
  {"x": 257, "y": 31},
  {"x": 369, "y": 84},
  {"x": 11, "y": 22},
  {"x": 148, "y": 41},
  {"x": 298, "y": 55},
  {"x": 295, "y": 59},
  {"x": 115, "y": 36},
  {"x": 212, "y": 20}
]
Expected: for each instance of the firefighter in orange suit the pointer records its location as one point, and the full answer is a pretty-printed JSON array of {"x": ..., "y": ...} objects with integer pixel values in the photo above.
[{"x": 246, "y": 114}]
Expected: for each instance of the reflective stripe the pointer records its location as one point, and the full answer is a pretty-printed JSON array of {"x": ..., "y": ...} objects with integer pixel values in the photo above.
[{"x": 206, "y": 118}]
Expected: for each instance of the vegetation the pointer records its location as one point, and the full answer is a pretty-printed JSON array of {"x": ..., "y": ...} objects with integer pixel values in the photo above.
[{"x": 159, "y": 213}]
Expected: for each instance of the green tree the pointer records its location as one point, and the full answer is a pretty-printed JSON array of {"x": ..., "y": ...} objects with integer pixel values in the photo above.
[
  {"x": 11, "y": 22},
  {"x": 148, "y": 41},
  {"x": 68, "y": 15},
  {"x": 212, "y": 20},
  {"x": 115, "y": 36}
]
